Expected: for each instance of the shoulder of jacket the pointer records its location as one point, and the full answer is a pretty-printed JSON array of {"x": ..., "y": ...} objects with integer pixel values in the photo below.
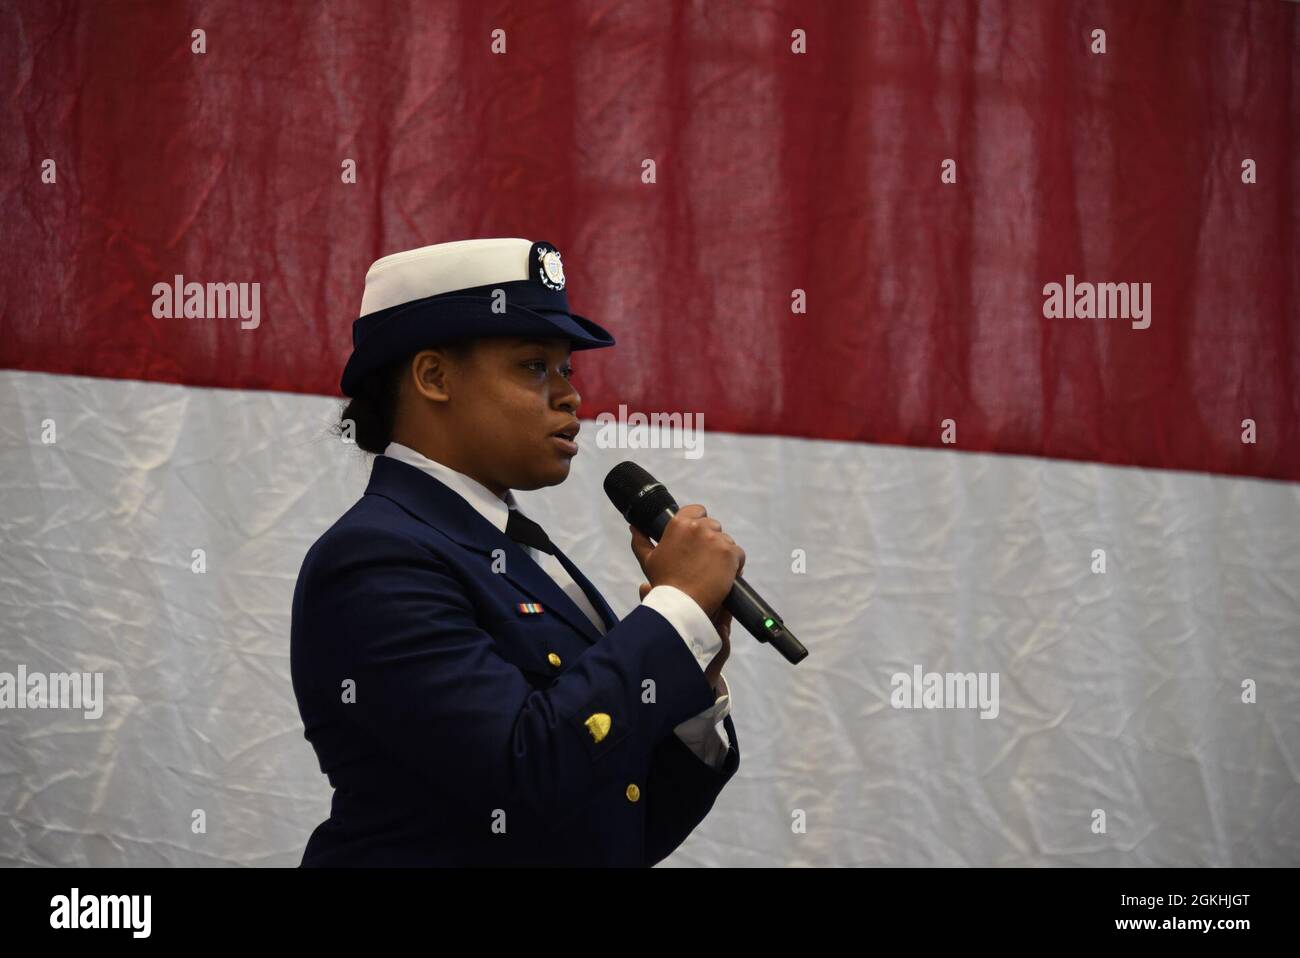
[{"x": 377, "y": 526}]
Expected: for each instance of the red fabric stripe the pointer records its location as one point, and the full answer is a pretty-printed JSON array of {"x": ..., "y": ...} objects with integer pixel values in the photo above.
[{"x": 775, "y": 171}]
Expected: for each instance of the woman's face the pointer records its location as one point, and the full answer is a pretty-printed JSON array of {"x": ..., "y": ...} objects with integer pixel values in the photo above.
[{"x": 506, "y": 402}]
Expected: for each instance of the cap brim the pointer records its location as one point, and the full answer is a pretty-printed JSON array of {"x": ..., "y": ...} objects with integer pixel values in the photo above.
[{"x": 395, "y": 339}]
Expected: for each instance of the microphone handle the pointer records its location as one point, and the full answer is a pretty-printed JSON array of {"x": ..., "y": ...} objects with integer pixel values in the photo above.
[
  {"x": 749, "y": 609},
  {"x": 745, "y": 605}
]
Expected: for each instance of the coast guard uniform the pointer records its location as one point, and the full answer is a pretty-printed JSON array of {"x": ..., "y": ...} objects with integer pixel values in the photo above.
[{"x": 469, "y": 693}]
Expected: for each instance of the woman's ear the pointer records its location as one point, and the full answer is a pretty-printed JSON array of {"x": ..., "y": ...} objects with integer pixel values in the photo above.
[{"x": 429, "y": 374}]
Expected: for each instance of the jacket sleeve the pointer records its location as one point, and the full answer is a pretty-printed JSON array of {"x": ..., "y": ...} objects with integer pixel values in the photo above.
[
  {"x": 433, "y": 690},
  {"x": 680, "y": 790}
]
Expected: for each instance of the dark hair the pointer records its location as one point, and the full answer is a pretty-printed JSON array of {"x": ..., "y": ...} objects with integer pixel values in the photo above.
[{"x": 373, "y": 410}]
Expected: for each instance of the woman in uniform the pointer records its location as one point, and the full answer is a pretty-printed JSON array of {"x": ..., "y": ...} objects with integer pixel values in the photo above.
[{"x": 469, "y": 693}]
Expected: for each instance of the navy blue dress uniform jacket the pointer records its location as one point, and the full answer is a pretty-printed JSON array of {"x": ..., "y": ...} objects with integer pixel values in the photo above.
[{"x": 457, "y": 729}]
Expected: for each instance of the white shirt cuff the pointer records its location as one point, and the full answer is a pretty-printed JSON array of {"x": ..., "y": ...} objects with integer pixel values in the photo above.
[
  {"x": 688, "y": 619},
  {"x": 704, "y": 734}
]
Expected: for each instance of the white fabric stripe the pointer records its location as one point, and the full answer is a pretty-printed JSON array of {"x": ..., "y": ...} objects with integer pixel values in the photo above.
[{"x": 1119, "y": 692}]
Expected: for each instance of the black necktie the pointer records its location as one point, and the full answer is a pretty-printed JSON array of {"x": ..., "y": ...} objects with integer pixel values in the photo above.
[{"x": 524, "y": 530}]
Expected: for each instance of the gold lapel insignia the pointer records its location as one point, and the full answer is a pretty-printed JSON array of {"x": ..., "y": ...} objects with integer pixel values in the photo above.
[{"x": 598, "y": 725}]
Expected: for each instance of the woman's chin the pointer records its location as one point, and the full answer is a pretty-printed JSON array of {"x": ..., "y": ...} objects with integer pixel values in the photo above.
[
  {"x": 552, "y": 475},
  {"x": 560, "y": 472}
]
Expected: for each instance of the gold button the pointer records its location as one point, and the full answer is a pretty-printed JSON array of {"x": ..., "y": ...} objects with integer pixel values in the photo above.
[
  {"x": 633, "y": 793},
  {"x": 553, "y": 659},
  {"x": 598, "y": 725}
]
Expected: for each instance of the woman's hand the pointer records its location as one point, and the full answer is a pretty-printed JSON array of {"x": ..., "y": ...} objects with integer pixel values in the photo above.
[{"x": 695, "y": 555}]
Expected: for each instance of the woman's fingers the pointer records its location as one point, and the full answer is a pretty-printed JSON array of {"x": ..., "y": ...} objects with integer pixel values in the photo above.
[{"x": 641, "y": 546}]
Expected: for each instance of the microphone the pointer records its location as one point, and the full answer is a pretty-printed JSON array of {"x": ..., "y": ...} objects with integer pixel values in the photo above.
[{"x": 648, "y": 506}]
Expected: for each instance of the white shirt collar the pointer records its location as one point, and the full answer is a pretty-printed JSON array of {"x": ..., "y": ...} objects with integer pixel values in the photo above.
[{"x": 483, "y": 499}]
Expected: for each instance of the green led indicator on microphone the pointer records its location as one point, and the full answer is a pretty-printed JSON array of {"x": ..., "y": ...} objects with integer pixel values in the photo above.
[{"x": 768, "y": 623}]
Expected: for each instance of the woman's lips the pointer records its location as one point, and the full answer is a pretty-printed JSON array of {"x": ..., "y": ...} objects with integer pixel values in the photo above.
[{"x": 565, "y": 446}]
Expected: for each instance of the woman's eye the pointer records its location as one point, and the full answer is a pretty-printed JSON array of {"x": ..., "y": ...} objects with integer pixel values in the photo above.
[{"x": 540, "y": 366}]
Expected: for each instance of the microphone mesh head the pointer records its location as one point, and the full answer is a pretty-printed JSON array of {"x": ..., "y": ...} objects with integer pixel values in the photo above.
[
  {"x": 624, "y": 483},
  {"x": 636, "y": 494}
]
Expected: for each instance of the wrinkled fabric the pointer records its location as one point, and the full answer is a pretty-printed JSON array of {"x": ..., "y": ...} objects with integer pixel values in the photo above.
[
  {"x": 1119, "y": 691},
  {"x": 793, "y": 264}
]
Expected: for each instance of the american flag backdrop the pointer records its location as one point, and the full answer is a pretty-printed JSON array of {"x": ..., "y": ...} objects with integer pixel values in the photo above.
[{"x": 975, "y": 323}]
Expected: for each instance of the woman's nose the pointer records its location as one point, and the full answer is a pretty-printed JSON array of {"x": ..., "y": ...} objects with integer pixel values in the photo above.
[{"x": 569, "y": 398}]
